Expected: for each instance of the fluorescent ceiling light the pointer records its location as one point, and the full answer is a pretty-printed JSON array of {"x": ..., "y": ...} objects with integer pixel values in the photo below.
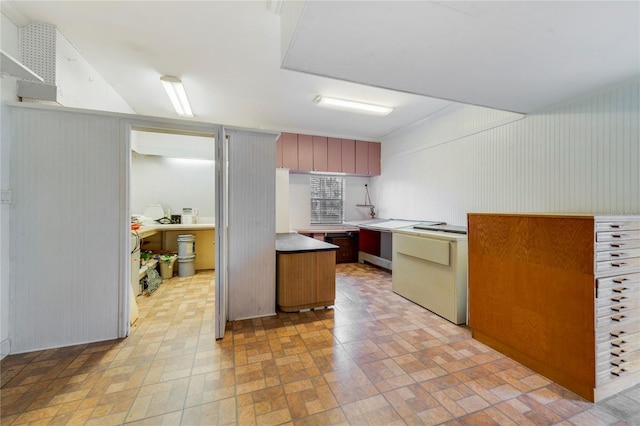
[
  {"x": 178, "y": 96},
  {"x": 353, "y": 106}
]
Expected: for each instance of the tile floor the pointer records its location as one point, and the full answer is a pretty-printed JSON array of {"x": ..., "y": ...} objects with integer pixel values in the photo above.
[{"x": 376, "y": 359}]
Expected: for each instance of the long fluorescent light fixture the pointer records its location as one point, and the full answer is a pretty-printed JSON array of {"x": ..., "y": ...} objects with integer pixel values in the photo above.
[
  {"x": 177, "y": 95},
  {"x": 352, "y": 106}
]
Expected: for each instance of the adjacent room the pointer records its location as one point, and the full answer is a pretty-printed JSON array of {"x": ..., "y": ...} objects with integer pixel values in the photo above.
[{"x": 320, "y": 212}]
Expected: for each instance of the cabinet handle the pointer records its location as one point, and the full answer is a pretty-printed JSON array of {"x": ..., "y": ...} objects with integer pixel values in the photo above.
[
  {"x": 617, "y": 245},
  {"x": 618, "y": 264},
  {"x": 619, "y": 289},
  {"x": 618, "y": 308},
  {"x": 618, "y": 317},
  {"x": 619, "y": 372},
  {"x": 619, "y": 344},
  {"x": 619, "y": 362},
  {"x": 618, "y": 235},
  {"x": 615, "y": 225},
  {"x": 620, "y": 280},
  {"x": 618, "y": 352},
  {"x": 617, "y": 333},
  {"x": 618, "y": 299},
  {"x": 618, "y": 254}
]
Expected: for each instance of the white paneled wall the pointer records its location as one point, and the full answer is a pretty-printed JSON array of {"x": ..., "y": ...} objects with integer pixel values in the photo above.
[
  {"x": 252, "y": 225},
  {"x": 581, "y": 156},
  {"x": 67, "y": 198}
]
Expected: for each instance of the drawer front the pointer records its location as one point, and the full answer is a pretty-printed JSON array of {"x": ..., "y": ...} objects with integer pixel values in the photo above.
[
  {"x": 617, "y": 245},
  {"x": 618, "y": 235},
  {"x": 624, "y": 305},
  {"x": 630, "y": 368},
  {"x": 617, "y": 325},
  {"x": 433, "y": 250},
  {"x": 617, "y": 266},
  {"x": 618, "y": 285},
  {"x": 618, "y": 254},
  {"x": 618, "y": 345},
  {"x": 618, "y": 225}
]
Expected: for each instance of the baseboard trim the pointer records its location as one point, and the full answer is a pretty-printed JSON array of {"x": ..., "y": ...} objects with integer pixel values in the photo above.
[{"x": 5, "y": 348}]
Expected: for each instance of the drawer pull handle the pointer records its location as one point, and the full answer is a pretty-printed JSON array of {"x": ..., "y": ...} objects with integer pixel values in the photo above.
[
  {"x": 619, "y": 289},
  {"x": 618, "y": 352},
  {"x": 617, "y": 235},
  {"x": 617, "y": 245},
  {"x": 618, "y": 372},
  {"x": 618, "y": 362},
  {"x": 618, "y": 264},
  {"x": 615, "y": 225},
  {"x": 619, "y": 344},
  {"x": 618, "y": 299},
  {"x": 617, "y": 333},
  {"x": 618, "y": 308},
  {"x": 618, "y": 254},
  {"x": 618, "y": 317},
  {"x": 620, "y": 280}
]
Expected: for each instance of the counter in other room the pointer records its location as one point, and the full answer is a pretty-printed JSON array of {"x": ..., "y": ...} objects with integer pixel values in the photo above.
[
  {"x": 165, "y": 238},
  {"x": 344, "y": 236},
  {"x": 305, "y": 272}
]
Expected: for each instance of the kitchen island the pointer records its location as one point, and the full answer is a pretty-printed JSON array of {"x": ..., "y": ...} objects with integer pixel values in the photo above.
[{"x": 305, "y": 272}]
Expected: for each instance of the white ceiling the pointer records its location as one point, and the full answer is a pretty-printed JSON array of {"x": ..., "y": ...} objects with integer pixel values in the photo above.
[{"x": 518, "y": 56}]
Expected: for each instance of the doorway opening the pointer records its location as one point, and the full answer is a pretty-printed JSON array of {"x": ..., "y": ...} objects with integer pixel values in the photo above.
[{"x": 171, "y": 195}]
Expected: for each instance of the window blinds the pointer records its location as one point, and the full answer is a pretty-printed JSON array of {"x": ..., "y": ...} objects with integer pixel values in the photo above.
[{"x": 327, "y": 200}]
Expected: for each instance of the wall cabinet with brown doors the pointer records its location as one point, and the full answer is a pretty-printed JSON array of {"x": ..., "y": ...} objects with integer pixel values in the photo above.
[{"x": 305, "y": 153}]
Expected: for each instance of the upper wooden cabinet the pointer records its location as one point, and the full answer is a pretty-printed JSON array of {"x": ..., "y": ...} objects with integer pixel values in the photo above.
[
  {"x": 367, "y": 158},
  {"x": 320, "y": 154},
  {"x": 306, "y": 153},
  {"x": 290, "y": 151}
]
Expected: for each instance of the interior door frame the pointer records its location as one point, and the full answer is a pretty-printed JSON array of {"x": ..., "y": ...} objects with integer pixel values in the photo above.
[{"x": 177, "y": 127}]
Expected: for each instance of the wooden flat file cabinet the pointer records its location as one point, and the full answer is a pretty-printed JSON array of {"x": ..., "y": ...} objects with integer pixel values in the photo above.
[{"x": 561, "y": 295}]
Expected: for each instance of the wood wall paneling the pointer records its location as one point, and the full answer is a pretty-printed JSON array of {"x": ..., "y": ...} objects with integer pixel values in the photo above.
[
  {"x": 320, "y": 154},
  {"x": 305, "y": 152},
  {"x": 290, "y": 151},
  {"x": 531, "y": 294},
  {"x": 251, "y": 225}
]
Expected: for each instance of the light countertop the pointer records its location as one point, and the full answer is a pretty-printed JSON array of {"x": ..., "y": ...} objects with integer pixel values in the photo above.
[
  {"x": 147, "y": 230},
  {"x": 296, "y": 243}
]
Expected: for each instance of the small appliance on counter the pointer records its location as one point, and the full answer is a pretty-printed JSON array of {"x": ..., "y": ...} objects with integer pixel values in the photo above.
[{"x": 188, "y": 216}]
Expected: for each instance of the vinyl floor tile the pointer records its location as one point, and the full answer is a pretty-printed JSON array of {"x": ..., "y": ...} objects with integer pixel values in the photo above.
[{"x": 372, "y": 359}]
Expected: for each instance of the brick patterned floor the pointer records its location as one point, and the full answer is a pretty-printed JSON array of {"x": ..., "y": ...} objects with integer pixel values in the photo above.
[{"x": 374, "y": 359}]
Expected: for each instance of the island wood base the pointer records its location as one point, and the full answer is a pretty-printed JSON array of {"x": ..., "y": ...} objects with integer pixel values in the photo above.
[{"x": 306, "y": 280}]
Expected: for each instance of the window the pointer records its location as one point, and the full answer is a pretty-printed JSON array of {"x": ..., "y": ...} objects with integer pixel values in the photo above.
[{"x": 327, "y": 200}]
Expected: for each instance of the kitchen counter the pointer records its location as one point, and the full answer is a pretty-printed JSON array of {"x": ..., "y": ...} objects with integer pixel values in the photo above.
[
  {"x": 305, "y": 273},
  {"x": 328, "y": 229},
  {"x": 151, "y": 229},
  {"x": 296, "y": 243}
]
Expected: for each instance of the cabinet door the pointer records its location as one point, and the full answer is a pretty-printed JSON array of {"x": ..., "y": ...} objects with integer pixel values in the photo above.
[
  {"x": 334, "y": 155},
  {"x": 320, "y": 154},
  {"x": 305, "y": 153},
  {"x": 290, "y": 151},
  {"x": 279, "y": 152},
  {"x": 362, "y": 157},
  {"x": 348, "y": 156},
  {"x": 374, "y": 158}
]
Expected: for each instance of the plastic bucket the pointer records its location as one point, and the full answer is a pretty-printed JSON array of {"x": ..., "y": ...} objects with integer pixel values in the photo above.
[
  {"x": 187, "y": 266},
  {"x": 166, "y": 267},
  {"x": 186, "y": 245}
]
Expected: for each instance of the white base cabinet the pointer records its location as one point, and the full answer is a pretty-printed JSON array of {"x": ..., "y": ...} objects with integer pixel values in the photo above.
[{"x": 430, "y": 269}]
